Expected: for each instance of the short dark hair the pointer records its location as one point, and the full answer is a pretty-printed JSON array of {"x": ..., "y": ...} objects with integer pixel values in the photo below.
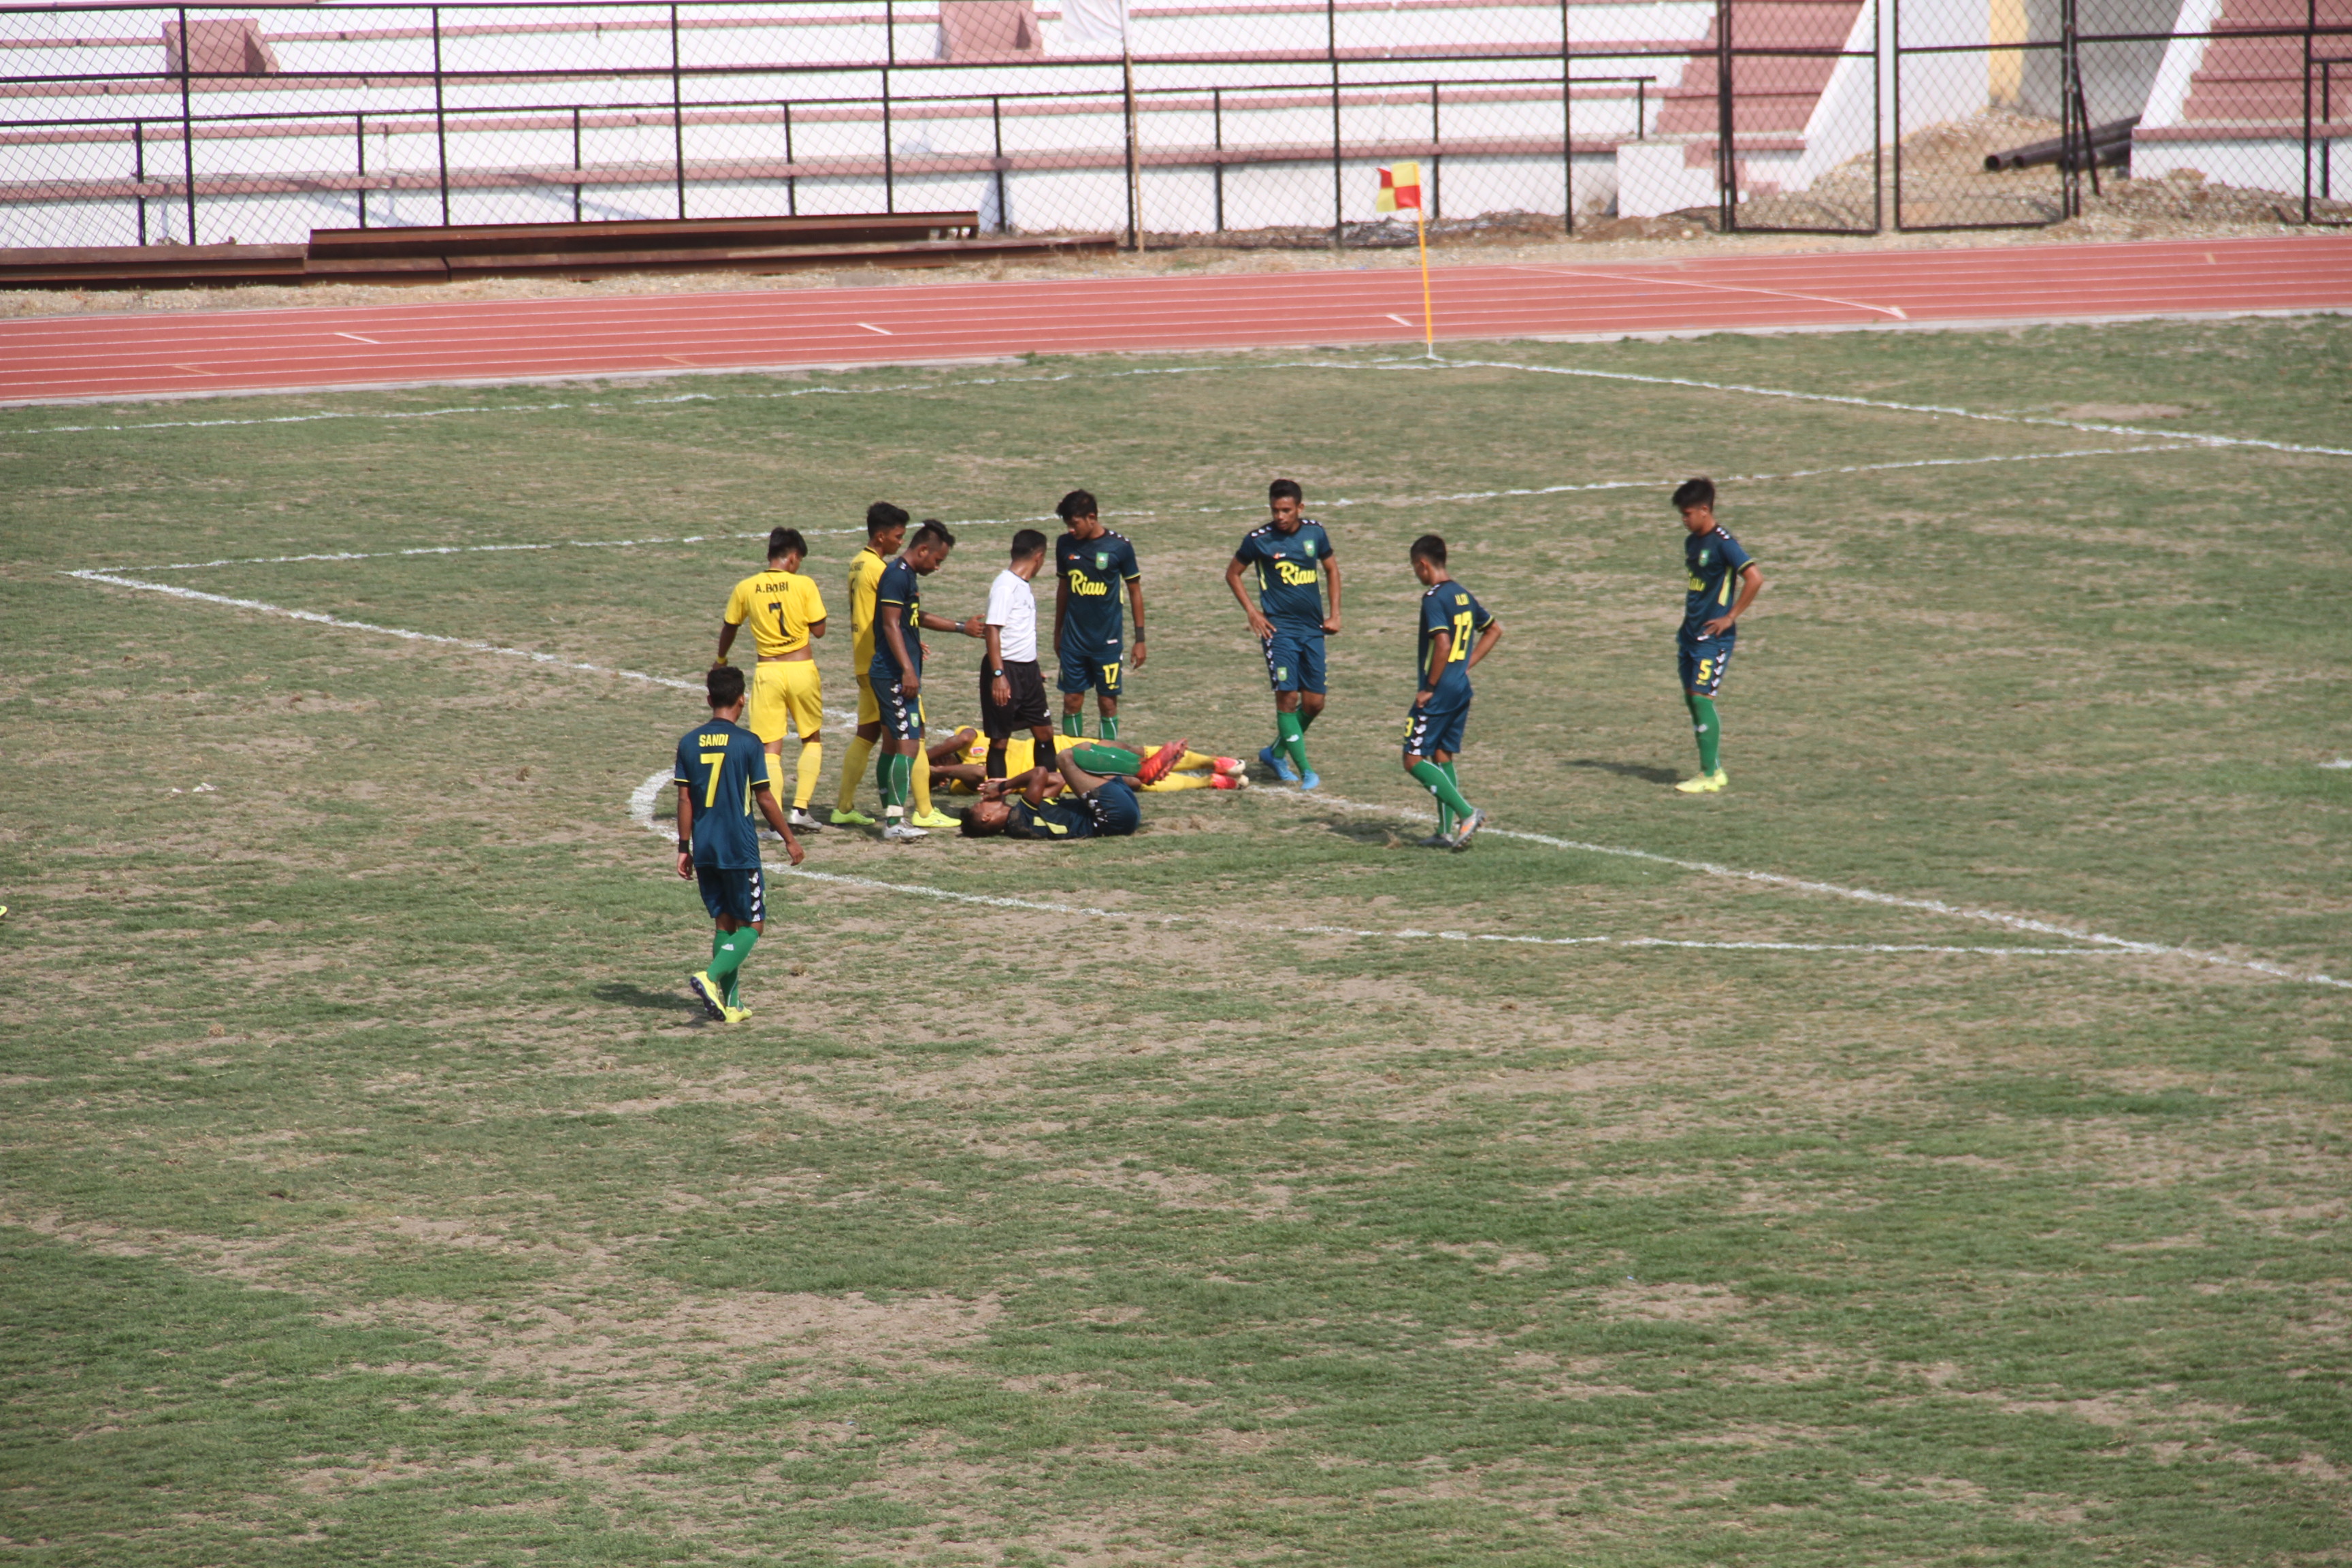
[
  {"x": 1429, "y": 548},
  {"x": 1077, "y": 504},
  {"x": 1694, "y": 492},
  {"x": 1286, "y": 490},
  {"x": 882, "y": 517},
  {"x": 970, "y": 827},
  {"x": 1028, "y": 543},
  {"x": 785, "y": 541},
  {"x": 724, "y": 686},
  {"x": 932, "y": 529}
]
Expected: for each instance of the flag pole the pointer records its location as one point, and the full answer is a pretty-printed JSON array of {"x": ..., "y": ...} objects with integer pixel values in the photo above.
[{"x": 1428, "y": 324}]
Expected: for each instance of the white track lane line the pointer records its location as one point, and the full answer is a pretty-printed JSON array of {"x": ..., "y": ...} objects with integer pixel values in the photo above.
[
  {"x": 642, "y": 802},
  {"x": 1714, "y": 288}
]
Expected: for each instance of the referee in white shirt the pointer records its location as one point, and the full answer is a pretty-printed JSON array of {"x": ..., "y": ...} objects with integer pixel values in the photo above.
[{"x": 1012, "y": 692}]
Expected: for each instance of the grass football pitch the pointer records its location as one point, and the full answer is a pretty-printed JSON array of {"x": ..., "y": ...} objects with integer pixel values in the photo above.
[{"x": 1264, "y": 1188}]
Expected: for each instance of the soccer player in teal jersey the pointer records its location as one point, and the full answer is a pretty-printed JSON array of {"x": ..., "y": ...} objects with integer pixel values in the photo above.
[
  {"x": 1090, "y": 561},
  {"x": 1291, "y": 556},
  {"x": 722, "y": 771},
  {"x": 1450, "y": 618},
  {"x": 896, "y": 672},
  {"x": 1713, "y": 561},
  {"x": 1026, "y": 806}
]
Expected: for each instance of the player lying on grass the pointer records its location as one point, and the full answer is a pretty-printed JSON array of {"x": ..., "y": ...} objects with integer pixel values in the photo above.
[
  {"x": 1026, "y": 807},
  {"x": 721, "y": 770},
  {"x": 1713, "y": 559},
  {"x": 1450, "y": 617},
  {"x": 964, "y": 761}
]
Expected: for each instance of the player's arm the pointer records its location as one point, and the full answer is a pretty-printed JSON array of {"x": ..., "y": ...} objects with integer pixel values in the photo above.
[
  {"x": 1000, "y": 690},
  {"x": 775, "y": 815},
  {"x": 1258, "y": 625},
  {"x": 727, "y": 630},
  {"x": 1441, "y": 648},
  {"x": 1061, "y": 605},
  {"x": 1489, "y": 636},
  {"x": 1751, "y": 583},
  {"x": 1331, "y": 576},
  {"x": 890, "y": 620},
  {"x": 816, "y": 628},
  {"x": 685, "y": 830},
  {"x": 1135, "y": 608}
]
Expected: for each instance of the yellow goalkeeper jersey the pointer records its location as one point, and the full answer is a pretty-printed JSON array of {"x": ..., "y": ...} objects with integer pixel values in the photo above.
[
  {"x": 780, "y": 607},
  {"x": 865, "y": 576}
]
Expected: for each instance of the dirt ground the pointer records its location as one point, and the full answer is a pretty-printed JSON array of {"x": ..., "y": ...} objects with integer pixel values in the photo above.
[{"x": 1944, "y": 182}]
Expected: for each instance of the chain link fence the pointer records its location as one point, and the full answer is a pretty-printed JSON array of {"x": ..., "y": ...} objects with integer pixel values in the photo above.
[{"x": 1229, "y": 124}]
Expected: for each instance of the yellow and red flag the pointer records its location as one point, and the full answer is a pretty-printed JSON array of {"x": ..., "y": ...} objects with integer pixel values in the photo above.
[{"x": 1400, "y": 189}]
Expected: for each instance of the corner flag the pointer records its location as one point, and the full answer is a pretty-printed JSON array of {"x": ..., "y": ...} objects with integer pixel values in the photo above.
[{"x": 1400, "y": 189}]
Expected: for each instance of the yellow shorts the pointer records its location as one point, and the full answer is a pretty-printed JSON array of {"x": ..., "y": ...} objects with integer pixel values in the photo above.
[
  {"x": 785, "y": 694},
  {"x": 870, "y": 706}
]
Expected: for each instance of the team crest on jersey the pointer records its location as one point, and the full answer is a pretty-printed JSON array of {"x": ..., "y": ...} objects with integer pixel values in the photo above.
[{"x": 1704, "y": 556}]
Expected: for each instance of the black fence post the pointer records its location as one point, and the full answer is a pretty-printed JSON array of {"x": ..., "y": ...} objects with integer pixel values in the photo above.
[
  {"x": 139, "y": 172},
  {"x": 440, "y": 119},
  {"x": 1339, "y": 191},
  {"x": 1567, "y": 123},
  {"x": 889, "y": 58},
  {"x": 359, "y": 141},
  {"x": 1895, "y": 69},
  {"x": 2310, "y": 27},
  {"x": 996, "y": 127},
  {"x": 1217, "y": 137},
  {"x": 187, "y": 126},
  {"x": 792, "y": 181},
  {"x": 576, "y": 164},
  {"x": 1877, "y": 126},
  {"x": 1727, "y": 164},
  {"x": 676, "y": 117},
  {"x": 1436, "y": 160}
]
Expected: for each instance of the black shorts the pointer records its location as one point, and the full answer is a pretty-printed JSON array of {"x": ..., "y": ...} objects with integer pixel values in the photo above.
[{"x": 1025, "y": 711}]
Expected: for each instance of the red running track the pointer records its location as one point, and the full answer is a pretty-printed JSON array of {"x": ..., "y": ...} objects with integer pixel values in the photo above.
[{"x": 56, "y": 358}]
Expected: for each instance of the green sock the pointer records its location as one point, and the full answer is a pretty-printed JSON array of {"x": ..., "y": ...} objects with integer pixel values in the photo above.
[
  {"x": 882, "y": 762},
  {"x": 734, "y": 947},
  {"x": 1074, "y": 723},
  {"x": 727, "y": 987},
  {"x": 1446, "y": 817},
  {"x": 902, "y": 779},
  {"x": 1434, "y": 779},
  {"x": 1307, "y": 719},
  {"x": 1294, "y": 740},
  {"x": 1709, "y": 729},
  {"x": 1116, "y": 761},
  {"x": 1110, "y": 727}
]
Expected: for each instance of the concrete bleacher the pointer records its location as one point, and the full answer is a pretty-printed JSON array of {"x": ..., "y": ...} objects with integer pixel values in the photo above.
[
  {"x": 2229, "y": 99},
  {"x": 318, "y": 117}
]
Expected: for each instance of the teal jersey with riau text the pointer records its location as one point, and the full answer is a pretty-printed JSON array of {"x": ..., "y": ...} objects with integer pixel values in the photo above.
[
  {"x": 1448, "y": 607},
  {"x": 721, "y": 765},
  {"x": 1289, "y": 568},
  {"x": 901, "y": 585},
  {"x": 1714, "y": 560},
  {"x": 1093, "y": 573}
]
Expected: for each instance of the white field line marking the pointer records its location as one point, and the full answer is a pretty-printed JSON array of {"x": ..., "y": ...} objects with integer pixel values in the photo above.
[
  {"x": 1860, "y": 895},
  {"x": 357, "y": 339},
  {"x": 1400, "y": 320},
  {"x": 641, "y": 808},
  {"x": 2339, "y": 762},
  {"x": 2199, "y": 439},
  {"x": 870, "y": 327},
  {"x": 1335, "y": 505},
  {"x": 1717, "y": 288}
]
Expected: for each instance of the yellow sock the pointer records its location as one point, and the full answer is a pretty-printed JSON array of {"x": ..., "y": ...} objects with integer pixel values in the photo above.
[
  {"x": 1196, "y": 763},
  {"x": 812, "y": 759},
  {"x": 776, "y": 775},
  {"x": 922, "y": 784},
  {"x": 853, "y": 768},
  {"x": 1184, "y": 780}
]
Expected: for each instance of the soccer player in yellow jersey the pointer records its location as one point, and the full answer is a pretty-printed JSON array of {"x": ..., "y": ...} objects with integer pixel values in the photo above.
[
  {"x": 786, "y": 615},
  {"x": 886, "y": 531},
  {"x": 962, "y": 760}
]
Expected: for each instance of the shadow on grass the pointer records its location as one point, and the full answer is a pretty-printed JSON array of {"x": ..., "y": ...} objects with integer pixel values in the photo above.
[
  {"x": 1626, "y": 770},
  {"x": 621, "y": 993}
]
